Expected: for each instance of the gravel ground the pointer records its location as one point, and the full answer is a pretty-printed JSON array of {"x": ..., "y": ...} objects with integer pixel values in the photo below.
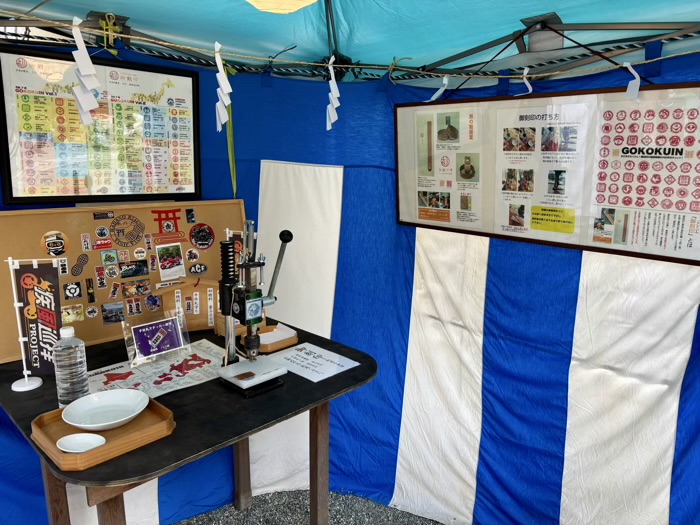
[{"x": 292, "y": 508}]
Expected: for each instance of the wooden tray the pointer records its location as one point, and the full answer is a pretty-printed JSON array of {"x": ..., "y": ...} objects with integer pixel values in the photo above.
[{"x": 153, "y": 423}]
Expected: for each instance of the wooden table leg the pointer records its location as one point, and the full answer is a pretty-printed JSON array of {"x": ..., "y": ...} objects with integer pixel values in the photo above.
[
  {"x": 319, "y": 437},
  {"x": 56, "y": 497},
  {"x": 111, "y": 511},
  {"x": 109, "y": 502},
  {"x": 243, "y": 494}
]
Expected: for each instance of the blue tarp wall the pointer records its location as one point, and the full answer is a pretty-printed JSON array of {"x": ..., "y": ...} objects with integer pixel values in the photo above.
[{"x": 282, "y": 119}]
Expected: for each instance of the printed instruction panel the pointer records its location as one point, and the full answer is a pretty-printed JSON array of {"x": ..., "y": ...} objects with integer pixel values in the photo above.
[
  {"x": 590, "y": 170},
  {"x": 141, "y": 140}
]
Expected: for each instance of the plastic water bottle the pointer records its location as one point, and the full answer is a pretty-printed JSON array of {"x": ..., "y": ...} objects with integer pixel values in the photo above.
[{"x": 71, "y": 367}]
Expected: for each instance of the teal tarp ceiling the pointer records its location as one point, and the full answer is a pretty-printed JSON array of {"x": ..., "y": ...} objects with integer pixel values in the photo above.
[{"x": 369, "y": 31}]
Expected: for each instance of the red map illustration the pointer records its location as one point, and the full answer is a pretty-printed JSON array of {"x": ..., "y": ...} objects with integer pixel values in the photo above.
[
  {"x": 182, "y": 369},
  {"x": 113, "y": 378}
]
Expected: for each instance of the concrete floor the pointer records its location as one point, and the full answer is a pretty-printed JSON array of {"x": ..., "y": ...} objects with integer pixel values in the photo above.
[{"x": 292, "y": 508}]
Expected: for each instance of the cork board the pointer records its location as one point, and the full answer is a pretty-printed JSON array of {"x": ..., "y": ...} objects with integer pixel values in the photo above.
[{"x": 90, "y": 238}]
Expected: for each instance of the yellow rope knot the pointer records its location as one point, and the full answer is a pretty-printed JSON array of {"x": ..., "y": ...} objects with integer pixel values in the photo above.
[
  {"x": 109, "y": 29},
  {"x": 393, "y": 66}
]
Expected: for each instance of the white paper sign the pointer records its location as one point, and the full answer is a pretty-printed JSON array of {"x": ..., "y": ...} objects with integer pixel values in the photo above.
[{"x": 312, "y": 362}]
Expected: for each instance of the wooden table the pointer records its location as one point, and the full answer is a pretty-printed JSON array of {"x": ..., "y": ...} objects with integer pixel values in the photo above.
[{"x": 209, "y": 417}]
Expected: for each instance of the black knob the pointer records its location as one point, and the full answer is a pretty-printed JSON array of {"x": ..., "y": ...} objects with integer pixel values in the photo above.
[{"x": 286, "y": 236}]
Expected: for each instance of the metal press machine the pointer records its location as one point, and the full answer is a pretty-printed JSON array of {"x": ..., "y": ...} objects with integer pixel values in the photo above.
[{"x": 242, "y": 273}]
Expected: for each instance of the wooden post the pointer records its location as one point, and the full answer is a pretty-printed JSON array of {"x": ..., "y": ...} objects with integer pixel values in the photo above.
[
  {"x": 111, "y": 511},
  {"x": 243, "y": 494},
  {"x": 56, "y": 497},
  {"x": 319, "y": 437}
]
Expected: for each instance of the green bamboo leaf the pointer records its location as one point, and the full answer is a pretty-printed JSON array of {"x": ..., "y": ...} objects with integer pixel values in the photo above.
[
  {"x": 231, "y": 157},
  {"x": 229, "y": 138}
]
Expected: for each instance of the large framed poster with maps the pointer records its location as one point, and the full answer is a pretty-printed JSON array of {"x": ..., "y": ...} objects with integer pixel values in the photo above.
[
  {"x": 143, "y": 143},
  {"x": 592, "y": 169}
]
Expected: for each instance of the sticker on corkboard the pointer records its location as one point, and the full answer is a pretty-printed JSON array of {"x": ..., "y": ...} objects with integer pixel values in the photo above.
[
  {"x": 112, "y": 271},
  {"x": 170, "y": 261},
  {"x": 126, "y": 230},
  {"x": 198, "y": 269},
  {"x": 202, "y": 236},
  {"x": 79, "y": 265},
  {"x": 54, "y": 243},
  {"x": 72, "y": 313},
  {"x": 72, "y": 291},
  {"x": 112, "y": 313},
  {"x": 109, "y": 257},
  {"x": 132, "y": 269},
  {"x": 135, "y": 288},
  {"x": 152, "y": 303}
]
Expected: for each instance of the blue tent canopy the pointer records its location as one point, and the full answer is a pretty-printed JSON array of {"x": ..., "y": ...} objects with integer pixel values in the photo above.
[{"x": 368, "y": 31}]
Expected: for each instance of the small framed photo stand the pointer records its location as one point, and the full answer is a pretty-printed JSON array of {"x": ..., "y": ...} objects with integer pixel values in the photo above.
[{"x": 153, "y": 335}]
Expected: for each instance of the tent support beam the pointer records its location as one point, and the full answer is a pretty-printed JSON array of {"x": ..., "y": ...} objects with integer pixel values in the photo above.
[
  {"x": 478, "y": 49},
  {"x": 43, "y": 25},
  {"x": 624, "y": 26},
  {"x": 331, "y": 16},
  {"x": 589, "y": 60},
  {"x": 518, "y": 36},
  {"x": 591, "y": 50},
  {"x": 681, "y": 27},
  {"x": 174, "y": 47}
]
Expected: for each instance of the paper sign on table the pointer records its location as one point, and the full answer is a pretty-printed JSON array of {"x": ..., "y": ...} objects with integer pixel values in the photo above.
[{"x": 312, "y": 362}]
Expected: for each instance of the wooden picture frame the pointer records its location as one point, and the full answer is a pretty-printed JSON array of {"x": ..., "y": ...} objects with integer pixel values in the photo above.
[{"x": 593, "y": 170}]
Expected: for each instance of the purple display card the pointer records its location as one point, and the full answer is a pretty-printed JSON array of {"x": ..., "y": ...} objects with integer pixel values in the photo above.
[{"x": 157, "y": 338}]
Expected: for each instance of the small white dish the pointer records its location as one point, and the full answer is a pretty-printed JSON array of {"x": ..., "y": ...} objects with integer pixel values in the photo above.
[
  {"x": 77, "y": 443},
  {"x": 105, "y": 410}
]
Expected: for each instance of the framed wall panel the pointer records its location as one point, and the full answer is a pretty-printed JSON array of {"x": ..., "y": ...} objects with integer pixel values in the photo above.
[
  {"x": 594, "y": 170},
  {"x": 143, "y": 143}
]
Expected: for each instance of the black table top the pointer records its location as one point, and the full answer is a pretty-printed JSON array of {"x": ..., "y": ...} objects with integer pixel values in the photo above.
[{"x": 209, "y": 416}]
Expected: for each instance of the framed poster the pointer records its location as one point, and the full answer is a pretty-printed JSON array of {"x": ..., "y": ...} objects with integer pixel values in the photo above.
[
  {"x": 591, "y": 169},
  {"x": 143, "y": 143}
]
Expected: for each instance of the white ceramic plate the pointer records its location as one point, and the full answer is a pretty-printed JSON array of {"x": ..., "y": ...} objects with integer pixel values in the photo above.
[
  {"x": 105, "y": 410},
  {"x": 77, "y": 443}
]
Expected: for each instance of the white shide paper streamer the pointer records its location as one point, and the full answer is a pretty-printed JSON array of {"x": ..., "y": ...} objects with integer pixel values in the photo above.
[
  {"x": 440, "y": 91},
  {"x": 527, "y": 83},
  {"x": 633, "y": 86},
  {"x": 222, "y": 92},
  {"x": 333, "y": 98},
  {"x": 87, "y": 77}
]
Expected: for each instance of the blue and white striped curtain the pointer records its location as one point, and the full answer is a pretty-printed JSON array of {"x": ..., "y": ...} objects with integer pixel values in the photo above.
[{"x": 546, "y": 388}]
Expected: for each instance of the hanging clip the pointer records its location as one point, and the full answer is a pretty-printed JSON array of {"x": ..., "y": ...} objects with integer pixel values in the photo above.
[
  {"x": 527, "y": 83},
  {"x": 333, "y": 97},
  {"x": 633, "y": 86},
  {"x": 442, "y": 89}
]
